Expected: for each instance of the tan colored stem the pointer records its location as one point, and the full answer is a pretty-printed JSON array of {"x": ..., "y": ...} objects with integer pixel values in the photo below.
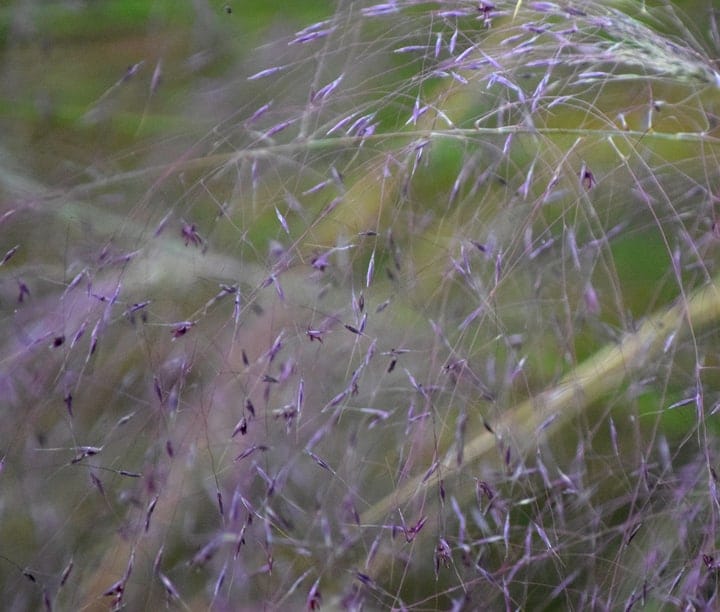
[{"x": 596, "y": 376}]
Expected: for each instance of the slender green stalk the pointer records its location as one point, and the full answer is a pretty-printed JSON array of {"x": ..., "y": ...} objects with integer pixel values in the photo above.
[
  {"x": 273, "y": 150},
  {"x": 522, "y": 424}
]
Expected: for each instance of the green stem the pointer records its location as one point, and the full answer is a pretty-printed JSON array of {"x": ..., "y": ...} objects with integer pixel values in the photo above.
[
  {"x": 577, "y": 390},
  {"x": 218, "y": 160}
]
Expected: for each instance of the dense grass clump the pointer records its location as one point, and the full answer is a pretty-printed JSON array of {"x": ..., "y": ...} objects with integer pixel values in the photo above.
[{"x": 415, "y": 308}]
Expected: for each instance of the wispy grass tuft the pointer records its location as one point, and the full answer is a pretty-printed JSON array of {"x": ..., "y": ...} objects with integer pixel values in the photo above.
[{"x": 426, "y": 319}]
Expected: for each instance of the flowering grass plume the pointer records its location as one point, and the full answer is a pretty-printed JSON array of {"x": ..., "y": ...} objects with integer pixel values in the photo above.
[{"x": 426, "y": 320}]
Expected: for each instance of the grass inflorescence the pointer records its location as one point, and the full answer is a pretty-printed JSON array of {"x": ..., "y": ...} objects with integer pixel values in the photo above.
[{"x": 425, "y": 319}]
